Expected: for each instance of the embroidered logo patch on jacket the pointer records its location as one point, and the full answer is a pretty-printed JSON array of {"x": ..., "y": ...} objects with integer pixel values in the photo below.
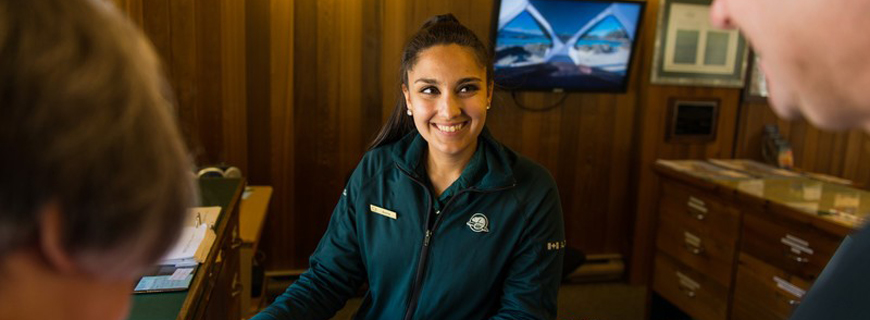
[{"x": 478, "y": 223}]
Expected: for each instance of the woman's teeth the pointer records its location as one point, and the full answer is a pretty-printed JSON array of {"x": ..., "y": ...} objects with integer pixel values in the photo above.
[{"x": 452, "y": 128}]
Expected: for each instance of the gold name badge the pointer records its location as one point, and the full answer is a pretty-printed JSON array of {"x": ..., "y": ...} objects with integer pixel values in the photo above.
[{"x": 383, "y": 212}]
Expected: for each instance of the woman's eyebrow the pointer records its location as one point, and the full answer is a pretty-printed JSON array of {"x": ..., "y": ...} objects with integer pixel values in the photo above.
[
  {"x": 469, "y": 79},
  {"x": 427, "y": 81}
]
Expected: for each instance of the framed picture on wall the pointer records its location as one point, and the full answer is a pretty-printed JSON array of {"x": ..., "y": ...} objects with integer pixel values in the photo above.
[
  {"x": 692, "y": 120},
  {"x": 756, "y": 83},
  {"x": 690, "y": 51}
]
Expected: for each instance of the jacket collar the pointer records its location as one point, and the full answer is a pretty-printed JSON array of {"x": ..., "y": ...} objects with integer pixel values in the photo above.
[{"x": 490, "y": 166}]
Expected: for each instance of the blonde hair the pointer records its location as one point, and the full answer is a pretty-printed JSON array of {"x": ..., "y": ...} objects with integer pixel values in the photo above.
[{"x": 86, "y": 123}]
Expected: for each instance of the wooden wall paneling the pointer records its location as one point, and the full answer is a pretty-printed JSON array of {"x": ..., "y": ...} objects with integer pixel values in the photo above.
[
  {"x": 863, "y": 175},
  {"x": 569, "y": 163},
  {"x": 838, "y": 153},
  {"x": 395, "y": 28},
  {"x": 853, "y": 153},
  {"x": 158, "y": 28},
  {"x": 207, "y": 89},
  {"x": 233, "y": 85},
  {"x": 749, "y": 142},
  {"x": 258, "y": 83},
  {"x": 349, "y": 86},
  {"x": 651, "y": 145},
  {"x": 590, "y": 207},
  {"x": 183, "y": 72},
  {"x": 650, "y": 122},
  {"x": 809, "y": 146},
  {"x": 318, "y": 118},
  {"x": 621, "y": 152},
  {"x": 282, "y": 107},
  {"x": 201, "y": 46},
  {"x": 317, "y": 121},
  {"x": 305, "y": 95},
  {"x": 835, "y": 153},
  {"x": 371, "y": 79},
  {"x": 133, "y": 9},
  {"x": 504, "y": 121}
]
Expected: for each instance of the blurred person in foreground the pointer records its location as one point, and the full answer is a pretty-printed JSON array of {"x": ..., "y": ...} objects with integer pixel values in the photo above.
[
  {"x": 94, "y": 178},
  {"x": 814, "y": 54}
]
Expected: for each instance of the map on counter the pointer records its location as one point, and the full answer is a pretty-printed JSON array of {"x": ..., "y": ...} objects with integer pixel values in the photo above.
[
  {"x": 704, "y": 170},
  {"x": 755, "y": 168}
]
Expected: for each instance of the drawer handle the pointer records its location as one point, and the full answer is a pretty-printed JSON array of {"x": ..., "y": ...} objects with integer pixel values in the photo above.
[
  {"x": 699, "y": 216},
  {"x": 693, "y": 243},
  {"x": 790, "y": 302},
  {"x": 697, "y": 208},
  {"x": 796, "y": 245},
  {"x": 236, "y": 292},
  {"x": 696, "y": 250},
  {"x": 238, "y": 287},
  {"x": 687, "y": 285},
  {"x": 796, "y": 258},
  {"x": 237, "y": 242},
  {"x": 689, "y": 292}
]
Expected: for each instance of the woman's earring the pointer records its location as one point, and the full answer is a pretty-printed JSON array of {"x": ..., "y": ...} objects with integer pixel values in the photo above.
[
  {"x": 487, "y": 107},
  {"x": 409, "y": 112}
]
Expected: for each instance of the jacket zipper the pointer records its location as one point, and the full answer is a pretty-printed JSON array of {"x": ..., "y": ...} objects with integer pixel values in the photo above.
[{"x": 424, "y": 253}]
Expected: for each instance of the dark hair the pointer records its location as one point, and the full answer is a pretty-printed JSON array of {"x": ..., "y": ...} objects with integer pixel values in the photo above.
[
  {"x": 87, "y": 126},
  {"x": 439, "y": 30}
]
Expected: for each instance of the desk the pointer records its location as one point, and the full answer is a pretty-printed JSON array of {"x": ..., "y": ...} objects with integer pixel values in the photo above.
[
  {"x": 746, "y": 242},
  {"x": 216, "y": 287},
  {"x": 255, "y": 206}
]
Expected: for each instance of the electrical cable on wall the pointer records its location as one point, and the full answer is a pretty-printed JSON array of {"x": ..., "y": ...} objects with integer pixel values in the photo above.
[{"x": 544, "y": 109}]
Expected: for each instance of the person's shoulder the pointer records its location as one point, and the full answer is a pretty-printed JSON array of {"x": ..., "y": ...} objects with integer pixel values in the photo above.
[
  {"x": 377, "y": 160},
  {"x": 529, "y": 173}
]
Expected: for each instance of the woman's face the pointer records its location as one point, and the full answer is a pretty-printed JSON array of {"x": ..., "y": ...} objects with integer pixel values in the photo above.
[{"x": 448, "y": 95}]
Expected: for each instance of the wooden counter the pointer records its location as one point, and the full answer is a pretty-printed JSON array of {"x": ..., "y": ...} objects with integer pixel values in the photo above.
[{"x": 737, "y": 239}]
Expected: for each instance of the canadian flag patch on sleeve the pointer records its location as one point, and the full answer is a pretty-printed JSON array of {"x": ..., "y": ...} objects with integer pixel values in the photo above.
[{"x": 556, "y": 245}]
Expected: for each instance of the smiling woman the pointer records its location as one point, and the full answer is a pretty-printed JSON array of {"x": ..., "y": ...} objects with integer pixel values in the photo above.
[{"x": 438, "y": 213}]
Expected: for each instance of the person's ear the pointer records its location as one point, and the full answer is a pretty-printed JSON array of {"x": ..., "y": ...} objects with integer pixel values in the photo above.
[
  {"x": 407, "y": 95},
  {"x": 490, "y": 88},
  {"x": 51, "y": 239}
]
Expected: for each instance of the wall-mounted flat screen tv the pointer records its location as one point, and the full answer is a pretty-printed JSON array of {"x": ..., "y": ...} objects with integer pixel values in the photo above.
[{"x": 565, "y": 45}]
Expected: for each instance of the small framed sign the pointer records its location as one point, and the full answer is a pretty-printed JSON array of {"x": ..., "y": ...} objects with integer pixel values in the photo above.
[
  {"x": 692, "y": 120},
  {"x": 690, "y": 51},
  {"x": 756, "y": 83}
]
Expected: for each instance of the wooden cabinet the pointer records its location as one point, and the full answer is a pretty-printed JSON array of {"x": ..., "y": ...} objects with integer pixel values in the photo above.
[
  {"x": 222, "y": 297},
  {"x": 765, "y": 292},
  {"x": 215, "y": 290},
  {"x": 795, "y": 247},
  {"x": 689, "y": 289},
  {"x": 698, "y": 231},
  {"x": 737, "y": 245}
]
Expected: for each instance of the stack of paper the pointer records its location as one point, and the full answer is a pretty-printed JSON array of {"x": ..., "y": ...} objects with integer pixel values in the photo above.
[
  {"x": 176, "y": 269},
  {"x": 196, "y": 238},
  {"x": 166, "y": 278}
]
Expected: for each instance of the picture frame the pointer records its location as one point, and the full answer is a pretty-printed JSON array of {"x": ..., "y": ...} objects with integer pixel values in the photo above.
[
  {"x": 690, "y": 51},
  {"x": 756, "y": 82},
  {"x": 692, "y": 120}
]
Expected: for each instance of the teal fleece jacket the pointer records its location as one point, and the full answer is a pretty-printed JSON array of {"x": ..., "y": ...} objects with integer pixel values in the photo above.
[{"x": 490, "y": 247}]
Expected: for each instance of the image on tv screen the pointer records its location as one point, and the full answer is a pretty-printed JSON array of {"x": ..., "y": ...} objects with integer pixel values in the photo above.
[{"x": 565, "y": 45}]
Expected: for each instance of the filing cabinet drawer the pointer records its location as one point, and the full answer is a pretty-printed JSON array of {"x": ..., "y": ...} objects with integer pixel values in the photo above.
[
  {"x": 697, "y": 250},
  {"x": 699, "y": 210},
  {"x": 764, "y": 292},
  {"x": 692, "y": 292},
  {"x": 796, "y": 248}
]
